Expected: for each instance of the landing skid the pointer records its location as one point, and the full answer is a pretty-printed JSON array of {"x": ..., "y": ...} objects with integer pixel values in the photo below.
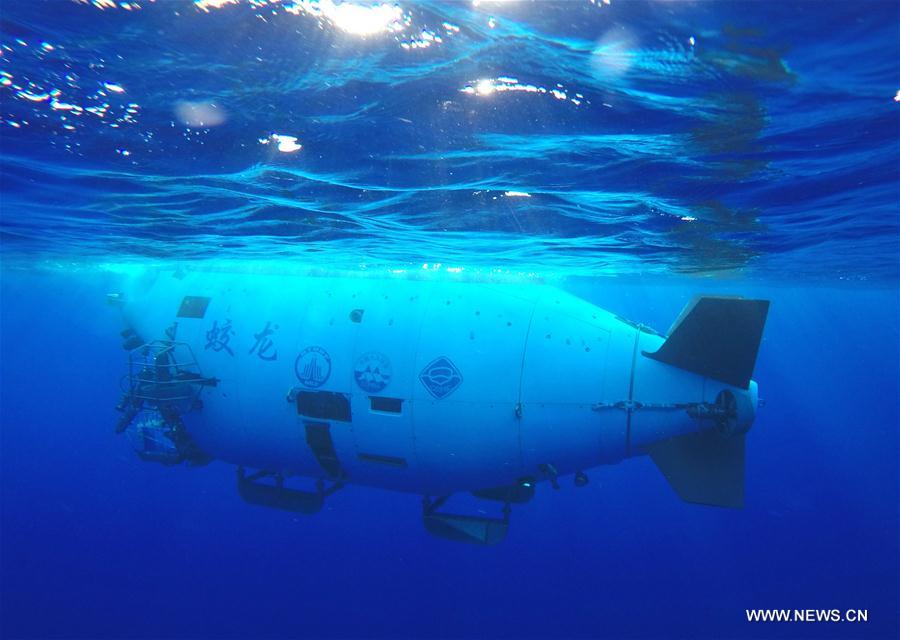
[
  {"x": 479, "y": 530},
  {"x": 267, "y": 489}
]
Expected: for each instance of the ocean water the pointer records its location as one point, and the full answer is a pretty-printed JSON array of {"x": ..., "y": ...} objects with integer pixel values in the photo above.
[{"x": 632, "y": 153}]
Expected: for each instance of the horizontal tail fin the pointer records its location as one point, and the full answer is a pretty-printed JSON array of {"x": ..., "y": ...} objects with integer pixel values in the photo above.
[
  {"x": 717, "y": 337},
  {"x": 703, "y": 467}
]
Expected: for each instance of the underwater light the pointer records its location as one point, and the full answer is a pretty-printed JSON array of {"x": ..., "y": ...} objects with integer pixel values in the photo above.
[
  {"x": 485, "y": 87},
  {"x": 356, "y": 19},
  {"x": 206, "y": 5},
  {"x": 199, "y": 114},
  {"x": 614, "y": 53},
  {"x": 285, "y": 144},
  {"x": 362, "y": 21}
]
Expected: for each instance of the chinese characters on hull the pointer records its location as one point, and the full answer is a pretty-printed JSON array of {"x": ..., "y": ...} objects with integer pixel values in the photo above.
[{"x": 218, "y": 338}]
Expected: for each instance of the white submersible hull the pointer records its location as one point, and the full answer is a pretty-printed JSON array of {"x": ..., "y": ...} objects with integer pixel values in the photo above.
[{"x": 430, "y": 387}]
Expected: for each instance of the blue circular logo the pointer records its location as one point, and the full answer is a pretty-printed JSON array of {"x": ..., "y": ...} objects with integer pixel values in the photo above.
[
  {"x": 372, "y": 371},
  {"x": 313, "y": 367}
]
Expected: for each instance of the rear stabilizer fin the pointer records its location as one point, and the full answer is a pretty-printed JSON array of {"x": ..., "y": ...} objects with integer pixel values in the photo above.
[
  {"x": 705, "y": 467},
  {"x": 717, "y": 337}
]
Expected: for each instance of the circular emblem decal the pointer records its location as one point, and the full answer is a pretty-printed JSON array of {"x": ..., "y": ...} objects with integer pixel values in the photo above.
[
  {"x": 313, "y": 367},
  {"x": 372, "y": 371}
]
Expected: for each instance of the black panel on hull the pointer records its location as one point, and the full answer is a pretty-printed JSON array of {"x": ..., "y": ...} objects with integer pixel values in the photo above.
[{"x": 325, "y": 405}]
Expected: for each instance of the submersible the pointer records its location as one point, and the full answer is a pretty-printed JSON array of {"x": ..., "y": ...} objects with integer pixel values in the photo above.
[{"x": 430, "y": 386}]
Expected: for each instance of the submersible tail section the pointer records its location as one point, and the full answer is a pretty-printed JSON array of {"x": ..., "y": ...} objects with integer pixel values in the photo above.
[{"x": 434, "y": 387}]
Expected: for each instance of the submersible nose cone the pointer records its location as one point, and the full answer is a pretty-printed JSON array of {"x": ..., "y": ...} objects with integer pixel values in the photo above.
[{"x": 581, "y": 479}]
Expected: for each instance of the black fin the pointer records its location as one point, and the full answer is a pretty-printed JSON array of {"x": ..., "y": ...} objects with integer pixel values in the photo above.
[
  {"x": 703, "y": 467},
  {"x": 716, "y": 337}
]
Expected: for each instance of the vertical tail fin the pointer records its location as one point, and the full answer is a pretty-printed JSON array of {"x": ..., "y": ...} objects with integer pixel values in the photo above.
[
  {"x": 716, "y": 337},
  {"x": 703, "y": 467}
]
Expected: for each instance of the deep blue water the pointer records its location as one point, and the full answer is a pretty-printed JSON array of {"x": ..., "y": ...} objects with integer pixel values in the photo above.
[{"x": 635, "y": 154}]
